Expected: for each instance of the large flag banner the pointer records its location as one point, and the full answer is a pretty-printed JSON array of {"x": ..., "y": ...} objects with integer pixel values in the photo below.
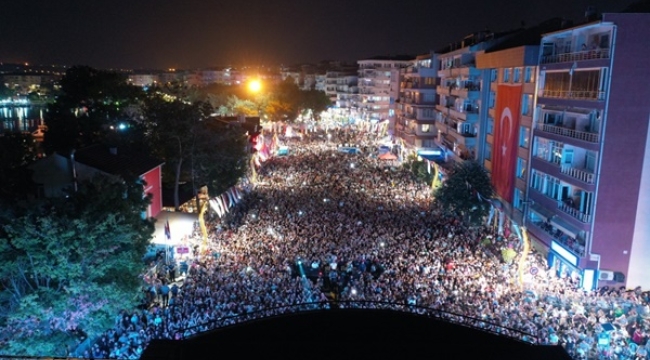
[{"x": 506, "y": 135}]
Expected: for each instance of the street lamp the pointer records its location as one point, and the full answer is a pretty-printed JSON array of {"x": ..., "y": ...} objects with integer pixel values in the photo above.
[{"x": 254, "y": 86}]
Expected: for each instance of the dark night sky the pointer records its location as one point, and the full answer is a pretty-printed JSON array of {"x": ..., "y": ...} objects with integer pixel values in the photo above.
[{"x": 202, "y": 33}]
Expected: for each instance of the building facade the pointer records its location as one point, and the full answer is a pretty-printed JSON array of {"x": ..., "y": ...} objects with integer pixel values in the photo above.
[
  {"x": 461, "y": 97},
  {"x": 415, "y": 115},
  {"x": 589, "y": 169},
  {"x": 379, "y": 79}
]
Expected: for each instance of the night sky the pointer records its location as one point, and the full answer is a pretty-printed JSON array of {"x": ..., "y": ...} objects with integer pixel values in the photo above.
[{"x": 201, "y": 33}]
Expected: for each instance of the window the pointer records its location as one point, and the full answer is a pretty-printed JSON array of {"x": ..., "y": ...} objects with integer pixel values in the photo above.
[
  {"x": 427, "y": 112},
  {"x": 429, "y": 98},
  {"x": 529, "y": 74},
  {"x": 524, "y": 136},
  {"x": 426, "y": 128},
  {"x": 493, "y": 75},
  {"x": 526, "y": 104},
  {"x": 521, "y": 167},
  {"x": 488, "y": 152},
  {"x": 518, "y": 200},
  {"x": 506, "y": 75},
  {"x": 516, "y": 77},
  {"x": 490, "y": 126},
  {"x": 429, "y": 81},
  {"x": 492, "y": 99}
]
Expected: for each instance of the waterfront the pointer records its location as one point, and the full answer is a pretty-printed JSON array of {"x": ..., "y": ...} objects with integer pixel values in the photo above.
[{"x": 21, "y": 118}]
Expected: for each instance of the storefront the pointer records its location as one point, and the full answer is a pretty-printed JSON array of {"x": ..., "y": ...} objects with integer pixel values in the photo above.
[{"x": 564, "y": 264}]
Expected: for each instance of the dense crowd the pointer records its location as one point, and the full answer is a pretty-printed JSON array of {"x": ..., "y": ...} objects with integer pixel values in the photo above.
[{"x": 322, "y": 227}]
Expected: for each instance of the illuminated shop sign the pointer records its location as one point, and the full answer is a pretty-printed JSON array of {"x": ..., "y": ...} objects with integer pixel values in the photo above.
[{"x": 564, "y": 253}]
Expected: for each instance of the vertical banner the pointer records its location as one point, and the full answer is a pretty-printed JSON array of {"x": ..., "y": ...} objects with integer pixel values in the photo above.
[{"x": 506, "y": 136}]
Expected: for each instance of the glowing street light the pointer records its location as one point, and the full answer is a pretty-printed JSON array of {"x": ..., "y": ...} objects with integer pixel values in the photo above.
[{"x": 254, "y": 86}]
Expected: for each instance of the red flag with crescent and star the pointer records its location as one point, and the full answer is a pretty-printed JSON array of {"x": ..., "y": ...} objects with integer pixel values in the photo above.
[{"x": 506, "y": 136}]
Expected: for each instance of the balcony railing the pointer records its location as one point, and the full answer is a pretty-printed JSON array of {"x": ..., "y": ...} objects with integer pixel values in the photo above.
[
  {"x": 574, "y": 94},
  {"x": 576, "y": 56},
  {"x": 559, "y": 130},
  {"x": 582, "y": 175},
  {"x": 572, "y": 243},
  {"x": 566, "y": 208}
]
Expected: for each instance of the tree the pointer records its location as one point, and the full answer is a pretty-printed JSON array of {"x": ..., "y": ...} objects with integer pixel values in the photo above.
[
  {"x": 91, "y": 102},
  {"x": 219, "y": 157},
  {"x": 196, "y": 147},
  {"x": 419, "y": 169},
  {"x": 466, "y": 191},
  {"x": 71, "y": 264},
  {"x": 17, "y": 150},
  {"x": 170, "y": 128},
  {"x": 315, "y": 101}
]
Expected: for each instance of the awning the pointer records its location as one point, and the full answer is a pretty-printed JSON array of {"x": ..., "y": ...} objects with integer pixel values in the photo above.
[
  {"x": 541, "y": 211},
  {"x": 564, "y": 226}
]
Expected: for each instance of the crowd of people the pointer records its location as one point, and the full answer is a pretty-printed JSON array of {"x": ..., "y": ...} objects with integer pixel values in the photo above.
[{"x": 324, "y": 228}]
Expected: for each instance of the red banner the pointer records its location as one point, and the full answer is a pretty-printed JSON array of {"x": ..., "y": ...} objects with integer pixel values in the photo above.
[{"x": 506, "y": 136}]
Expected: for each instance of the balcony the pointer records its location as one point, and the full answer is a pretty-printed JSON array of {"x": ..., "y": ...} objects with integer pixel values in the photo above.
[
  {"x": 572, "y": 211},
  {"x": 443, "y": 90},
  {"x": 573, "y": 94},
  {"x": 582, "y": 175},
  {"x": 577, "y": 56},
  {"x": 575, "y": 134},
  {"x": 577, "y": 246}
]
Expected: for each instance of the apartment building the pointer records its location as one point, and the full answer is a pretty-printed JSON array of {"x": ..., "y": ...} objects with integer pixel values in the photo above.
[
  {"x": 503, "y": 139},
  {"x": 589, "y": 169},
  {"x": 461, "y": 99},
  {"x": 379, "y": 79},
  {"x": 415, "y": 115}
]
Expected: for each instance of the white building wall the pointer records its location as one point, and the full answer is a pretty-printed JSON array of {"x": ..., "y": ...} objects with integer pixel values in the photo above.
[{"x": 638, "y": 273}]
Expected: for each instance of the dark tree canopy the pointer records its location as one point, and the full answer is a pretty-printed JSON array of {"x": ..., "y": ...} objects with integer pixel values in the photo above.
[
  {"x": 92, "y": 104},
  {"x": 70, "y": 264},
  {"x": 466, "y": 191},
  {"x": 17, "y": 150},
  {"x": 195, "y": 147}
]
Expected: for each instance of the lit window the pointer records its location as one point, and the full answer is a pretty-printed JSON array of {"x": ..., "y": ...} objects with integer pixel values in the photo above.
[
  {"x": 426, "y": 128},
  {"x": 524, "y": 136},
  {"x": 506, "y": 75}
]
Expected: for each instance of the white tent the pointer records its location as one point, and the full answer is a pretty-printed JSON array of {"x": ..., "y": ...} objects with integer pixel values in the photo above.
[{"x": 180, "y": 225}]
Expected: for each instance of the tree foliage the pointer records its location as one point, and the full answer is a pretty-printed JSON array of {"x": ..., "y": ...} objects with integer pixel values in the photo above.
[
  {"x": 419, "y": 169},
  {"x": 283, "y": 101},
  {"x": 91, "y": 105},
  {"x": 70, "y": 264},
  {"x": 16, "y": 151},
  {"x": 466, "y": 191},
  {"x": 195, "y": 147}
]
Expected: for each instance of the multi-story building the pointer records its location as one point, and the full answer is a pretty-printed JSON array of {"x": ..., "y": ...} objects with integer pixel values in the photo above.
[
  {"x": 341, "y": 87},
  {"x": 415, "y": 115},
  {"x": 503, "y": 145},
  {"x": 379, "y": 87},
  {"x": 589, "y": 169},
  {"x": 460, "y": 106}
]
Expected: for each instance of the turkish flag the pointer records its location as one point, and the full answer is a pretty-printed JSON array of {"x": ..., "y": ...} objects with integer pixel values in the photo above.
[{"x": 506, "y": 136}]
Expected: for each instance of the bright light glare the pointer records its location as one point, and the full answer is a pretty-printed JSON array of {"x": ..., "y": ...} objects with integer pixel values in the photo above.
[{"x": 254, "y": 86}]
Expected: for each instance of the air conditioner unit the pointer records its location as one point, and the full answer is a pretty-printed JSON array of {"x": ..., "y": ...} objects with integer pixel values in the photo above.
[{"x": 606, "y": 275}]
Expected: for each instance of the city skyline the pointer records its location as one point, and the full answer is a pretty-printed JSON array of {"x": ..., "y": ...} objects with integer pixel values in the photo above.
[{"x": 195, "y": 34}]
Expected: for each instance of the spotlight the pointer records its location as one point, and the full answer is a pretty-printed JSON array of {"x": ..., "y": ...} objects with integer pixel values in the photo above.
[
  {"x": 276, "y": 208},
  {"x": 354, "y": 291},
  {"x": 382, "y": 244}
]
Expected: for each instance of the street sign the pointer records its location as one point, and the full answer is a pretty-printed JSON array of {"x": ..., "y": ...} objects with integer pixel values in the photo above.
[{"x": 534, "y": 270}]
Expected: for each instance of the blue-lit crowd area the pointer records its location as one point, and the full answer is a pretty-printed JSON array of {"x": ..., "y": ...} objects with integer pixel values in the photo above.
[{"x": 326, "y": 226}]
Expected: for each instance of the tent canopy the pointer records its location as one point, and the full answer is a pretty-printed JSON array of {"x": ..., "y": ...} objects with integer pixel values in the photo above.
[
  {"x": 387, "y": 156},
  {"x": 180, "y": 225}
]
